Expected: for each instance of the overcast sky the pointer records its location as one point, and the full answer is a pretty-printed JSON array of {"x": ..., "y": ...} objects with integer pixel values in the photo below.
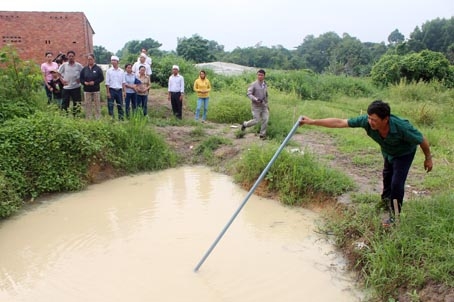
[{"x": 243, "y": 23}]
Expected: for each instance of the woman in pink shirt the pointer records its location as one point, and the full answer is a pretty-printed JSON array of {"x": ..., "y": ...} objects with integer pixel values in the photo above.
[{"x": 46, "y": 67}]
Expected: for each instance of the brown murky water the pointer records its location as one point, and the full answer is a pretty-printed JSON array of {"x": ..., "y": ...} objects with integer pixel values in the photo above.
[{"x": 139, "y": 238}]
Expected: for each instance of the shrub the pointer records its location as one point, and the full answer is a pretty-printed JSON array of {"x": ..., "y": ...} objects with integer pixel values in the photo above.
[
  {"x": 51, "y": 153},
  {"x": 10, "y": 201},
  {"x": 20, "y": 82}
]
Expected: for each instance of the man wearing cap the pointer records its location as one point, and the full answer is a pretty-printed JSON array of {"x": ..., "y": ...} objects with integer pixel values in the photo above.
[
  {"x": 114, "y": 85},
  {"x": 70, "y": 75},
  {"x": 143, "y": 52},
  {"x": 141, "y": 62},
  {"x": 176, "y": 92},
  {"x": 90, "y": 77}
]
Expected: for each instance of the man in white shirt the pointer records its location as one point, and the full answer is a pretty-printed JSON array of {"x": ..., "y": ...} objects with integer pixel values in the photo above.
[
  {"x": 147, "y": 58},
  {"x": 176, "y": 92},
  {"x": 142, "y": 61},
  {"x": 114, "y": 84}
]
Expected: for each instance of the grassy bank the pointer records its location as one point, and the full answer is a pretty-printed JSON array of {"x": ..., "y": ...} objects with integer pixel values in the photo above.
[{"x": 49, "y": 152}]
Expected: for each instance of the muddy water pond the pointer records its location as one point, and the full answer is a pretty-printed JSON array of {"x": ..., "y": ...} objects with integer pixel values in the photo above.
[{"x": 139, "y": 238}]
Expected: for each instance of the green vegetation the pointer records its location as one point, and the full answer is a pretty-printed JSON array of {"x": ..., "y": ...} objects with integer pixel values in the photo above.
[
  {"x": 47, "y": 152},
  {"x": 327, "y": 53},
  {"x": 417, "y": 250},
  {"x": 42, "y": 150},
  {"x": 297, "y": 178}
]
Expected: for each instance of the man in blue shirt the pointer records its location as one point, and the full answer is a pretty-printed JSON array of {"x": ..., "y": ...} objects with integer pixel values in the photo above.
[{"x": 398, "y": 140}]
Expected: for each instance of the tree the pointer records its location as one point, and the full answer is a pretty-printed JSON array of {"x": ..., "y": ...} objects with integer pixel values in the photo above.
[
  {"x": 436, "y": 35},
  {"x": 132, "y": 49},
  {"x": 102, "y": 55},
  {"x": 349, "y": 57},
  {"x": 396, "y": 37},
  {"x": 198, "y": 49},
  {"x": 315, "y": 52}
]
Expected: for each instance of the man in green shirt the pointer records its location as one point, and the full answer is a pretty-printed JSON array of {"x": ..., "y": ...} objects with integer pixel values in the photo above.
[{"x": 398, "y": 140}]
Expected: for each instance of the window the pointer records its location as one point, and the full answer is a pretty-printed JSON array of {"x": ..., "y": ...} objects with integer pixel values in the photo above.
[{"x": 12, "y": 39}]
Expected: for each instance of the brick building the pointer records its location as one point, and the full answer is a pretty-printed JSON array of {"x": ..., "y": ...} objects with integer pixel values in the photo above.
[{"x": 35, "y": 33}]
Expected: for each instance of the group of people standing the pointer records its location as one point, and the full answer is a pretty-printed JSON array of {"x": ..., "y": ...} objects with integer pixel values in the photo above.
[{"x": 64, "y": 83}]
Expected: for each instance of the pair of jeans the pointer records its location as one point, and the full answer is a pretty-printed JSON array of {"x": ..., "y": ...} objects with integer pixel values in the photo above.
[
  {"x": 48, "y": 94},
  {"x": 142, "y": 102},
  {"x": 116, "y": 96},
  {"x": 201, "y": 101},
  {"x": 130, "y": 101},
  {"x": 395, "y": 174}
]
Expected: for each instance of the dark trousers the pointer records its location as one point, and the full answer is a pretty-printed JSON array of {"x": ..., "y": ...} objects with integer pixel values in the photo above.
[
  {"x": 142, "y": 102},
  {"x": 48, "y": 94},
  {"x": 130, "y": 101},
  {"x": 394, "y": 176},
  {"x": 177, "y": 104},
  {"x": 74, "y": 94},
  {"x": 116, "y": 96}
]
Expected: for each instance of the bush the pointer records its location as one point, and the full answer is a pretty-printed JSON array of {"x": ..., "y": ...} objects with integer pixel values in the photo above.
[
  {"x": 10, "y": 201},
  {"x": 51, "y": 153},
  {"x": 162, "y": 69},
  {"x": 21, "y": 80}
]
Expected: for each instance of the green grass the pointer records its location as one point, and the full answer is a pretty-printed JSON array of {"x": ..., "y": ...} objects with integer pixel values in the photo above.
[{"x": 297, "y": 178}]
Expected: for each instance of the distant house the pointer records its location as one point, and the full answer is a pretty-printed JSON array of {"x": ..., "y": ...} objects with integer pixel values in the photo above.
[{"x": 35, "y": 33}]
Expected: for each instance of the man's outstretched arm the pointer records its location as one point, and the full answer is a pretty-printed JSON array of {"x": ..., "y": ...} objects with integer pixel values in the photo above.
[{"x": 330, "y": 122}]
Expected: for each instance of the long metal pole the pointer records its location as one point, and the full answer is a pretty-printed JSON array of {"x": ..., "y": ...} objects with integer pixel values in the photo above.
[{"x": 273, "y": 159}]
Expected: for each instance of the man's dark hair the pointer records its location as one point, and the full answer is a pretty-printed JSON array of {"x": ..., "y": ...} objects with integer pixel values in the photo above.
[
  {"x": 71, "y": 51},
  {"x": 261, "y": 71},
  {"x": 380, "y": 108},
  {"x": 48, "y": 53}
]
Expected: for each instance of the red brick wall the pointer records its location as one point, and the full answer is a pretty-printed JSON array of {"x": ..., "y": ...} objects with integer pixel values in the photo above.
[{"x": 35, "y": 33}]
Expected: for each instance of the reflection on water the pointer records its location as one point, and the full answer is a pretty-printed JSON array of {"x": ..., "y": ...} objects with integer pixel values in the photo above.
[{"x": 139, "y": 238}]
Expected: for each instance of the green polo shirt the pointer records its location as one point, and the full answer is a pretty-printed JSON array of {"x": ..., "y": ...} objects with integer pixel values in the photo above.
[{"x": 402, "y": 138}]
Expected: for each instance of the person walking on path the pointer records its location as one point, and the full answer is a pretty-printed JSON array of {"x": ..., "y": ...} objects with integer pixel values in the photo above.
[
  {"x": 91, "y": 77},
  {"x": 176, "y": 92},
  {"x": 115, "y": 78},
  {"x": 202, "y": 87},
  {"x": 398, "y": 140},
  {"x": 258, "y": 94}
]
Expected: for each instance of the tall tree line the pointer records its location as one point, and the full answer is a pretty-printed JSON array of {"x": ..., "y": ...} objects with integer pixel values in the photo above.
[{"x": 327, "y": 53}]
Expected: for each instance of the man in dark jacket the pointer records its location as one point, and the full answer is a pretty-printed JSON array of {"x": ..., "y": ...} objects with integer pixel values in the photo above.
[{"x": 90, "y": 77}]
